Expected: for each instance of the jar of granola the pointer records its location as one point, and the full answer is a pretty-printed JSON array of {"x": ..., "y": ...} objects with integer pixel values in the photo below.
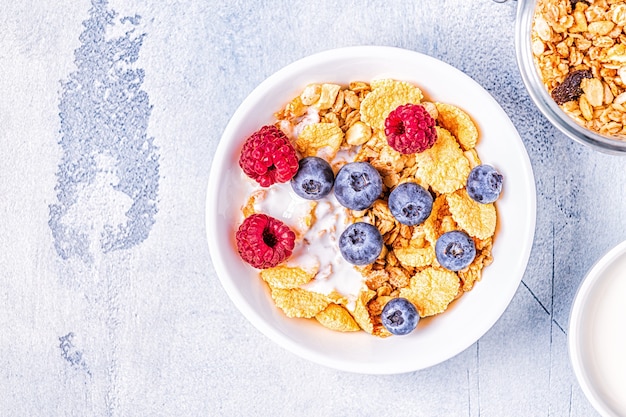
[{"x": 572, "y": 57}]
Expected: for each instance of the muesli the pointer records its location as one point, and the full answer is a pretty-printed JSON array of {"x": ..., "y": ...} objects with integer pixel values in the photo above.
[
  {"x": 579, "y": 48},
  {"x": 368, "y": 206}
]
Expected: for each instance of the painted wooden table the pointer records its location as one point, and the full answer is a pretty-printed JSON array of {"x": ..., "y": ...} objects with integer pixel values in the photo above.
[{"x": 110, "y": 114}]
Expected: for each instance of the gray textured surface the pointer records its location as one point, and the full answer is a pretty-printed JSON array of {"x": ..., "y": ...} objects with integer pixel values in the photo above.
[{"x": 145, "y": 329}]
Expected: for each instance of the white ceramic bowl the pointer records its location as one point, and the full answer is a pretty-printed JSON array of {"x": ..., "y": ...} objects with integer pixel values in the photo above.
[
  {"x": 597, "y": 334},
  {"x": 438, "y": 338}
]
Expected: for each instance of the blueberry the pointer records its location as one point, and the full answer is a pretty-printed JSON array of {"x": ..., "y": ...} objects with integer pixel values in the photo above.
[
  {"x": 400, "y": 316},
  {"x": 484, "y": 184},
  {"x": 455, "y": 250},
  {"x": 361, "y": 243},
  {"x": 314, "y": 178},
  {"x": 358, "y": 185},
  {"x": 410, "y": 203}
]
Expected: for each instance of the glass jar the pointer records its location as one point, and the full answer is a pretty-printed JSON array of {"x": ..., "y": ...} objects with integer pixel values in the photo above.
[{"x": 540, "y": 95}]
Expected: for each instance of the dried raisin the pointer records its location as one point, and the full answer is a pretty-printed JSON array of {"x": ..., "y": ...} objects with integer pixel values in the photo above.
[{"x": 570, "y": 89}]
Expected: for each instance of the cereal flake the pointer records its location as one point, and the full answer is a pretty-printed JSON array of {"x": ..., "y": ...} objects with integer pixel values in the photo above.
[
  {"x": 444, "y": 166},
  {"x": 336, "y": 317},
  {"x": 286, "y": 277},
  {"x": 320, "y": 139},
  {"x": 431, "y": 290},
  {"x": 478, "y": 220},
  {"x": 385, "y": 97},
  {"x": 459, "y": 124},
  {"x": 296, "y": 302}
]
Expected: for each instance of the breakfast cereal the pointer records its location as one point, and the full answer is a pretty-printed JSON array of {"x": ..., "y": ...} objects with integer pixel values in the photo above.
[
  {"x": 457, "y": 122},
  {"x": 349, "y": 124},
  {"x": 579, "y": 48},
  {"x": 336, "y": 317}
]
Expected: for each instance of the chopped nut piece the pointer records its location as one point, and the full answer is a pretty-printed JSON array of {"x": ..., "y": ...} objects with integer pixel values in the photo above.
[
  {"x": 310, "y": 94},
  {"x": 358, "y": 134},
  {"x": 352, "y": 99}
]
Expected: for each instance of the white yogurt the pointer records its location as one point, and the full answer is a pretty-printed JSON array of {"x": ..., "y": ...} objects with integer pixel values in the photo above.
[
  {"x": 279, "y": 201},
  {"x": 311, "y": 117},
  {"x": 293, "y": 131},
  {"x": 599, "y": 329},
  {"x": 321, "y": 244},
  {"x": 316, "y": 247}
]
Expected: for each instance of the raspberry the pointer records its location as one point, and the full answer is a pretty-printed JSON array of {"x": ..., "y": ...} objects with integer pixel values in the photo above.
[
  {"x": 268, "y": 157},
  {"x": 410, "y": 129},
  {"x": 263, "y": 241}
]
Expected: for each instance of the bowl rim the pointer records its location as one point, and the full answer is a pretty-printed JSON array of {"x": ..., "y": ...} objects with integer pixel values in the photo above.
[
  {"x": 593, "y": 278},
  {"x": 254, "y": 317},
  {"x": 541, "y": 98}
]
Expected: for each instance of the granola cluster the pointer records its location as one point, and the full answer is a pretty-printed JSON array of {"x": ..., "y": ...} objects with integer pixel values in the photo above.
[
  {"x": 579, "y": 48},
  {"x": 326, "y": 119}
]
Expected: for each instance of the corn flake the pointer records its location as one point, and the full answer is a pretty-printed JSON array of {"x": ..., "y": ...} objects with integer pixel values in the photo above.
[
  {"x": 432, "y": 225},
  {"x": 443, "y": 166},
  {"x": 459, "y": 124},
  {"x": 320, "y": 139},
  {"x": 478, "y": 220},
  {"x": 296, "y": 302},
  {"x": 248, "y": 208},
  {"x": 385, "y": 97},
  {"x": 361, "y": 313},
  {"x": 431, "y": 290},
  {"x": 336, "y": 317},
  {"x": 286, "y": 277},
  {"x": 415, "y": 257}
]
